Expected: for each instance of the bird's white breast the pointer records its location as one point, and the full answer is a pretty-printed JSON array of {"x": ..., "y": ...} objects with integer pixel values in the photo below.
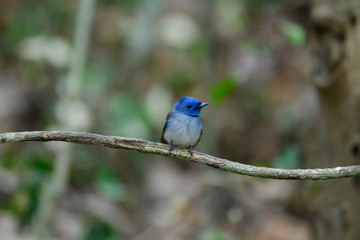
[{"x": 183, "y": 130}]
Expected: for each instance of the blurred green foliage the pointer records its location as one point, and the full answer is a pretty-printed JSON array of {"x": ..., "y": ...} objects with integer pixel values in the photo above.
[
  {"x": 255, "y": 100},
  {"x": 289, "y": 157},
  {"x": 99, "y": 231},
  {"x": 294, "y": 33},
  {"x": 222, "y": 89},
  {"x": 180, "y": 81},
  {"x": 32, "y": 19},
  {"x": 114, "y": 88},
  {"x": 264, "y": 6},
  {"x": 100, "y": 76},
  {"x": 34, "y": 170},
  {"x": 215, "y": 235},
  {"x": 109, "y": 184},
  {"x": 126, "y": 117}
]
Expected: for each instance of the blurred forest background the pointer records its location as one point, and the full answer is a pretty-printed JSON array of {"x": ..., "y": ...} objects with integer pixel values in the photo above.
[{"x": 115, "y": 67}]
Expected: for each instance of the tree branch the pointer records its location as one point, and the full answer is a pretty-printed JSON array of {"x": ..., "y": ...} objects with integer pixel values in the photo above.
[{"x": 162, "y": 149}]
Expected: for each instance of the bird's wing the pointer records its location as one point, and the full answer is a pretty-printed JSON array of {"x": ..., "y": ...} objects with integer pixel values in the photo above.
[
  {"x": 165, "y": 126},
  {"x": 198, "y": 139}
]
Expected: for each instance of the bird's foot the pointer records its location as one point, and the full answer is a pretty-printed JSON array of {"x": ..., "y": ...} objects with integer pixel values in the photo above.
[
  {"x": 190, "y": 151},
  {"x": 170, "y": 146}
]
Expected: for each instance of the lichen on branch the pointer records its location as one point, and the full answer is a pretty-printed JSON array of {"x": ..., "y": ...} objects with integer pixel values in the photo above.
[{"x": 181, "y": 154}]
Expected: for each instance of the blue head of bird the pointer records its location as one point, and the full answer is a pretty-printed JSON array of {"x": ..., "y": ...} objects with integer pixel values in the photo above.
[{"x": 189, "y": 106}]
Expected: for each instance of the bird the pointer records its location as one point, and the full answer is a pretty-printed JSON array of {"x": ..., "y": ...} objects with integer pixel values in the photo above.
[{"x": 183, "y": 125}]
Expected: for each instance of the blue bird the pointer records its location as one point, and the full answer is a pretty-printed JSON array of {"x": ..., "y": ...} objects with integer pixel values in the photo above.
[{"x": 183, "y": 126}]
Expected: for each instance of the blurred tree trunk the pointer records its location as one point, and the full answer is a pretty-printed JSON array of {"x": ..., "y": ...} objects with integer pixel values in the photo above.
[{"x": 335, "y": 47}]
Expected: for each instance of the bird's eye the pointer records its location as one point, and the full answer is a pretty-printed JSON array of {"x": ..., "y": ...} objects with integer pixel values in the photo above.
[{"x": 188, "y": 106}]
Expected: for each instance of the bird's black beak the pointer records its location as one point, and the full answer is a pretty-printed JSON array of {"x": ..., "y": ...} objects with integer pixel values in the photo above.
[{"x": 203, "y": 104}]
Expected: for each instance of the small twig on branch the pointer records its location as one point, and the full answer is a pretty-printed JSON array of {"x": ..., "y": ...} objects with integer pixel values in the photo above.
[{"x": 162, "y": 149}]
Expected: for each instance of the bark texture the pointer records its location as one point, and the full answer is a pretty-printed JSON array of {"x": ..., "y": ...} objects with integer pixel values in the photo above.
[
  {"x": 182, "y": 154},
  {"x": 335, "y": 44}
]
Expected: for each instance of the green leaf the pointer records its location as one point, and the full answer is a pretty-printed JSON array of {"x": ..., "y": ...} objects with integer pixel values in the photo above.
[
  {"x": 294, "y": 33},
  {"x": 221, "y": 90},
  {"x": 288, "y": 158}
]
